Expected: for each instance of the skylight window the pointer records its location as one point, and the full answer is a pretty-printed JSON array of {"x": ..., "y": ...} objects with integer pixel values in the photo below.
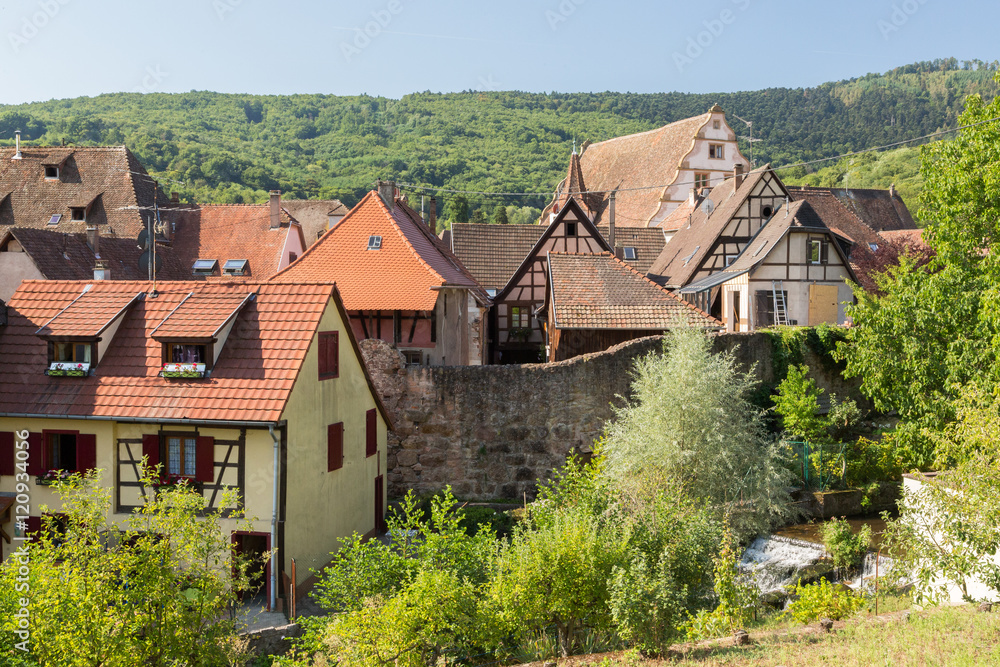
[
  {"x": 374, "y": 242},
  {"x": 54, "y": 220},
  {"x": 873, "y": 247},
  {"x": 235, "y": 267},
  {"x": 629, "y": 253},
  {"x": 204, "y": 267}
]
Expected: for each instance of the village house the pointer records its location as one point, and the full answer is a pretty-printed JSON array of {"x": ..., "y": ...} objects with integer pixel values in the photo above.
[
  {"x": 794, "y": 270},
  {"x": 400, "y": 283},
  {"x": 693, "y": 153},
  {"x": 253, "y": 387},
  {"x": 596, "y": 301}
]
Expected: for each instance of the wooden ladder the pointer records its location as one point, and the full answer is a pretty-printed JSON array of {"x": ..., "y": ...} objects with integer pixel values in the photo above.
[{"x": 780, "y": 307}]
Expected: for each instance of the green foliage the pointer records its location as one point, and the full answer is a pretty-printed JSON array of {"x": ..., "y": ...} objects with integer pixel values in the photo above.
[
  {"x": 500, "y": 216},
  {"x": 824, "y": 600},
  {"x": 798, "y": 402},
  {"x": 899, "y": 167},
  {"x": 737, "y": 598},
  {"x": 846, "y": 548},
  {"x": 360, "y": 570},
  {"x": 155, "y": 589},
  {"x": 691, "y": 423}
]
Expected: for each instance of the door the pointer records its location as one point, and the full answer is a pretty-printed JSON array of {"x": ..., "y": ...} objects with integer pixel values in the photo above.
[
  {"x": 380, "y": 504},
  {"x": 823, "y": 305},
  {"x": 255, "y": 545},
  {"x": 734, "y": 313}
]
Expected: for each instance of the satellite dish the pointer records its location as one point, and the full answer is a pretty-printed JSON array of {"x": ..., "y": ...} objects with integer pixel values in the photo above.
[
  {"x": 144, "y": 263},
  {"x": 143, "y": 240},
  {"x": 707, "y": 207}
]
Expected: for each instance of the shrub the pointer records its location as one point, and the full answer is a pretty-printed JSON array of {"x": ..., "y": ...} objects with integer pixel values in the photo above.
[
  {"x": 798, "y": 402},
  {"x": 846, "y": 548},
  {"x": 737, "y": 598},
  {"x": 824, "y": 600}
]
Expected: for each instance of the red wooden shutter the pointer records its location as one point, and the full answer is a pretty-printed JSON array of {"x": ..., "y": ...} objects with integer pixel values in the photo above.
[
  {"x": 333, "y": 354},
  {"x": 335, "y": 446},
  {"x": 205, "y": 459},
  {"x": 36, "y": 455},
  {"x": 371, "y": 433},
  {"x": 86, "y": 452},
  {"x": 7, "y": 453},
  {"x": 151, "y": 449},
  {"x": 323, "y": 358},
  {"x": 34, "y": 526}
]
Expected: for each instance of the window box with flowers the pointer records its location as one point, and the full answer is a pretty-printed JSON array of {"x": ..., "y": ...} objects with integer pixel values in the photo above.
[
  {"x": 521, "y": 334},
  {"x": 68, "y": 369},
  {"x": 50, "y": 477},
  {"x": 183, "y": 370},
  {"x": 170, "y": 482}
]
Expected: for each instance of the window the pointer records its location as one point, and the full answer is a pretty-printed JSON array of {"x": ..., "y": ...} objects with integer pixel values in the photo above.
[
  {"x": 235, "y": 267},
  {"x": 74, "y": 352},
  {"x": 204, "y": 267},
  {"x": 61, "y": 451},
  {"x": 78, "y": 214},
  {"x": 182, "y": 458},
  {"x": 413, "y": 357},
  {"x": 371, "y": 433},
  {"x": 716, "y": 124},
  {"x": 184, "y": 353},
  {"x": 629, "y": 253},
  {"x": 716, "y": 151},
  {"x": 54, "y": 220},
  {"x": 69, "y": 451},
  {"x": 701, "y": 180},
  {"x": 570, "y": 229},
  {"x": 335, "y": 446},
  {"x": 766, "y": 212},
  {"x": 292, "y": 256},
  {"x": 329, "y": 354},
  {"x": 818, "y": 251},
  {"x": 520, "y": 317},
  {"x": 374, "y": 242},
  {"x": 730, "y": 259},
  {"x": 873, "y": 247},
  {"x": 764, "y": 316},
  {"x": 51, "y": 173}
]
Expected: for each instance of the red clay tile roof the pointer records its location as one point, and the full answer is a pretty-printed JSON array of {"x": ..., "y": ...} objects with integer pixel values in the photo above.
[
  {"x": 62, "y": 256},
  {"x": 402, "y": 274},
  {"x": 914, "y": 237},
  {"x": 602, "y": 292},
  {"x": 202, "y": 315},
  {"x": 109, "y": 176},
  {"x": 647, "y": 241},
  {"x": 90, "y": 313},
  {"x": 251, "y": 380},
  {"x": 492, "y": 253},
  {"x": 233, "y": 231},
  {"x": 835, "y": 215},
  {"x": 882, "y": 210}
]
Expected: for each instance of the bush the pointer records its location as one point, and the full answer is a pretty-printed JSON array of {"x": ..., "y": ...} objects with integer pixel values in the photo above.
[
  {"x": 798, "y": 402},
  {"x": 823, "y": 600},
  {"x": 846, "y": 548},
  {"x": 737, "y": 599}
]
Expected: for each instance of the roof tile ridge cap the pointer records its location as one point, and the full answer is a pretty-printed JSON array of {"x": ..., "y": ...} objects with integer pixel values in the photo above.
[
  {"x": 321, "y": 242},
  {"x": 399, "y": 230}
]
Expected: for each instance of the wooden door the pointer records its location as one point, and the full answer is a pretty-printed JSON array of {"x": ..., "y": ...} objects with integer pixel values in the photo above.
[
  {"x": 734, "y": 316},
  {"x": 823, "y": 305}
]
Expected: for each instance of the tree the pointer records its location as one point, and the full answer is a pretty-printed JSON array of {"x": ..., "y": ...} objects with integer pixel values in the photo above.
[
  {"x": 156, "y": 590},
  {"x": 691, "y": 423},
  {"x": 458, "y": 209},
  {"x": 479, "y": 217},
  {"x": 500, "y": 215},
  {"x": 797, "y": 402}
]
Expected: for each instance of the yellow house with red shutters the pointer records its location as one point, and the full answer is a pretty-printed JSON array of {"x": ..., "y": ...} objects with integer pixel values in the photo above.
[{"x": 256, "y": 388}]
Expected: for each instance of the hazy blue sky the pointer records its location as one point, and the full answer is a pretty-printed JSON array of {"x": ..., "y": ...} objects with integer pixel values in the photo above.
[{"x": 66, "y": 48}]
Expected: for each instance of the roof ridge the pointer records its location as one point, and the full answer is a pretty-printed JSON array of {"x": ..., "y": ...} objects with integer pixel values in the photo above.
[
  {"x": 413, "y": 251},
  {"x": 655, "y": 129}
]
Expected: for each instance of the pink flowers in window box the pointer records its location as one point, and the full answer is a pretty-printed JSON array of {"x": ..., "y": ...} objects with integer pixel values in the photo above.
[{"x": 183, "y": 370}]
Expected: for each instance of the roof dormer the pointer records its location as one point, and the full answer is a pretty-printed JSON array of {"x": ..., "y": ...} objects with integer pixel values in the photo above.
[
  {"x": 52, "y": 164},
  {"x": 193, "y": 334}
]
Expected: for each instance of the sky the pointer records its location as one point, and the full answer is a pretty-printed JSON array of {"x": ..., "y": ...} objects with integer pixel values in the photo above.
[{"x": 52, "y": 49}]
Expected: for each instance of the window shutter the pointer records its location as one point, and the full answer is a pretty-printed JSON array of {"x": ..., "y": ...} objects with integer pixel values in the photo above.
[
  {"x": 324, "y": 361},
  {"x": 36, "y": 455},
  {"x": 824, "y": 252},
  {"x": 151, "y": 449},
  {"x": 86, "y": 452},
  {"x": 371, "y": 433},
  {"x": 335, "y": 446},
  {"x": 205, "y": 459},
  {"x": 7, "y": 453},
  {"x": 333, "y": 354},
  {"x": 34, "y": 526}
]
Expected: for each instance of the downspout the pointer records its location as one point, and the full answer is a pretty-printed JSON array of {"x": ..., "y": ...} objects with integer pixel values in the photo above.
[{"x": 274, "y": 523}]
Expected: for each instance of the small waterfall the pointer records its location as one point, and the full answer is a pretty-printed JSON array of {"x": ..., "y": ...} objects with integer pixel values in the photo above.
[
  {"x": 866, "y": 579},
  {"x": 774, "y": 562}
]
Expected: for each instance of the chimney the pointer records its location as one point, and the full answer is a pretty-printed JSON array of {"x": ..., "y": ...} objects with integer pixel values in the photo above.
[
  {"x": 892, "y": 190},
  {"x": 275, "y": 209},
  {"x": 94, "y": 239},
  {"x": 611, "y": 223},
  {"x": 101, "y": 270},
  {"x": 737, "y": 176},
  {"x": 175, "y": 198},
  {"x": 387, "y": 191},
  {"x": 432, "y": 215},
  {"x": 620, "y": 252},
  {"x": 17, "y": 143}
]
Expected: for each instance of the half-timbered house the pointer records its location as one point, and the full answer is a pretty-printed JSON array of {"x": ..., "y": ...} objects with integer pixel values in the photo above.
[{"x": 251, "y": 387}]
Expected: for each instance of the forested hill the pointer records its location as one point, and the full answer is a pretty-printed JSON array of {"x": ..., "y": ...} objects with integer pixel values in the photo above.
[{"x": 232, "y": 148}]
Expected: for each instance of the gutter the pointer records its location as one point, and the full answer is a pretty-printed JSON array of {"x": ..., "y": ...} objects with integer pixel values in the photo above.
[
  {"x": 144, "y": 420},
  {"x": 274, "y": 523}
]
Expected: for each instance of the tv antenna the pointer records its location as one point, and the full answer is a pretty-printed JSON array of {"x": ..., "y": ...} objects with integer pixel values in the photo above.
[{"x": 750, "y": 139}]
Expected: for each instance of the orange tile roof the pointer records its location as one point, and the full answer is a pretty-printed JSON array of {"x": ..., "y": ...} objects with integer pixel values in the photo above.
[
  {"x": 403, "y": 274},
  {"x": 251, "y": 381},
  {"x": 202, "y": 315},
  {"x": 90, "y": 313},
  {"x": 233, "y": 231}
]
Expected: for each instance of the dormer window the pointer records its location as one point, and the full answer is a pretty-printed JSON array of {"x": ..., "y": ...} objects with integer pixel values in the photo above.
[
  {"x": 51, "y": 173},
  {"x": 193, "y": 334},
  {"x": 204, "y": 267},
  {"x": 629, "y": 253},
  {"x": 235, "y": 267},
  {"x": 70, "y": 358},
  {"x": 54, "y": 220},
  {"x": 75, "y": 352},
  {"x": 374, "y": 242},
  {"x": 78, "y": 214}
]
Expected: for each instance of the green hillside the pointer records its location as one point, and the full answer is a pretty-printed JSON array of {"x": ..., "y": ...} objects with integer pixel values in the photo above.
[{"x": 232, "y": 148}]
